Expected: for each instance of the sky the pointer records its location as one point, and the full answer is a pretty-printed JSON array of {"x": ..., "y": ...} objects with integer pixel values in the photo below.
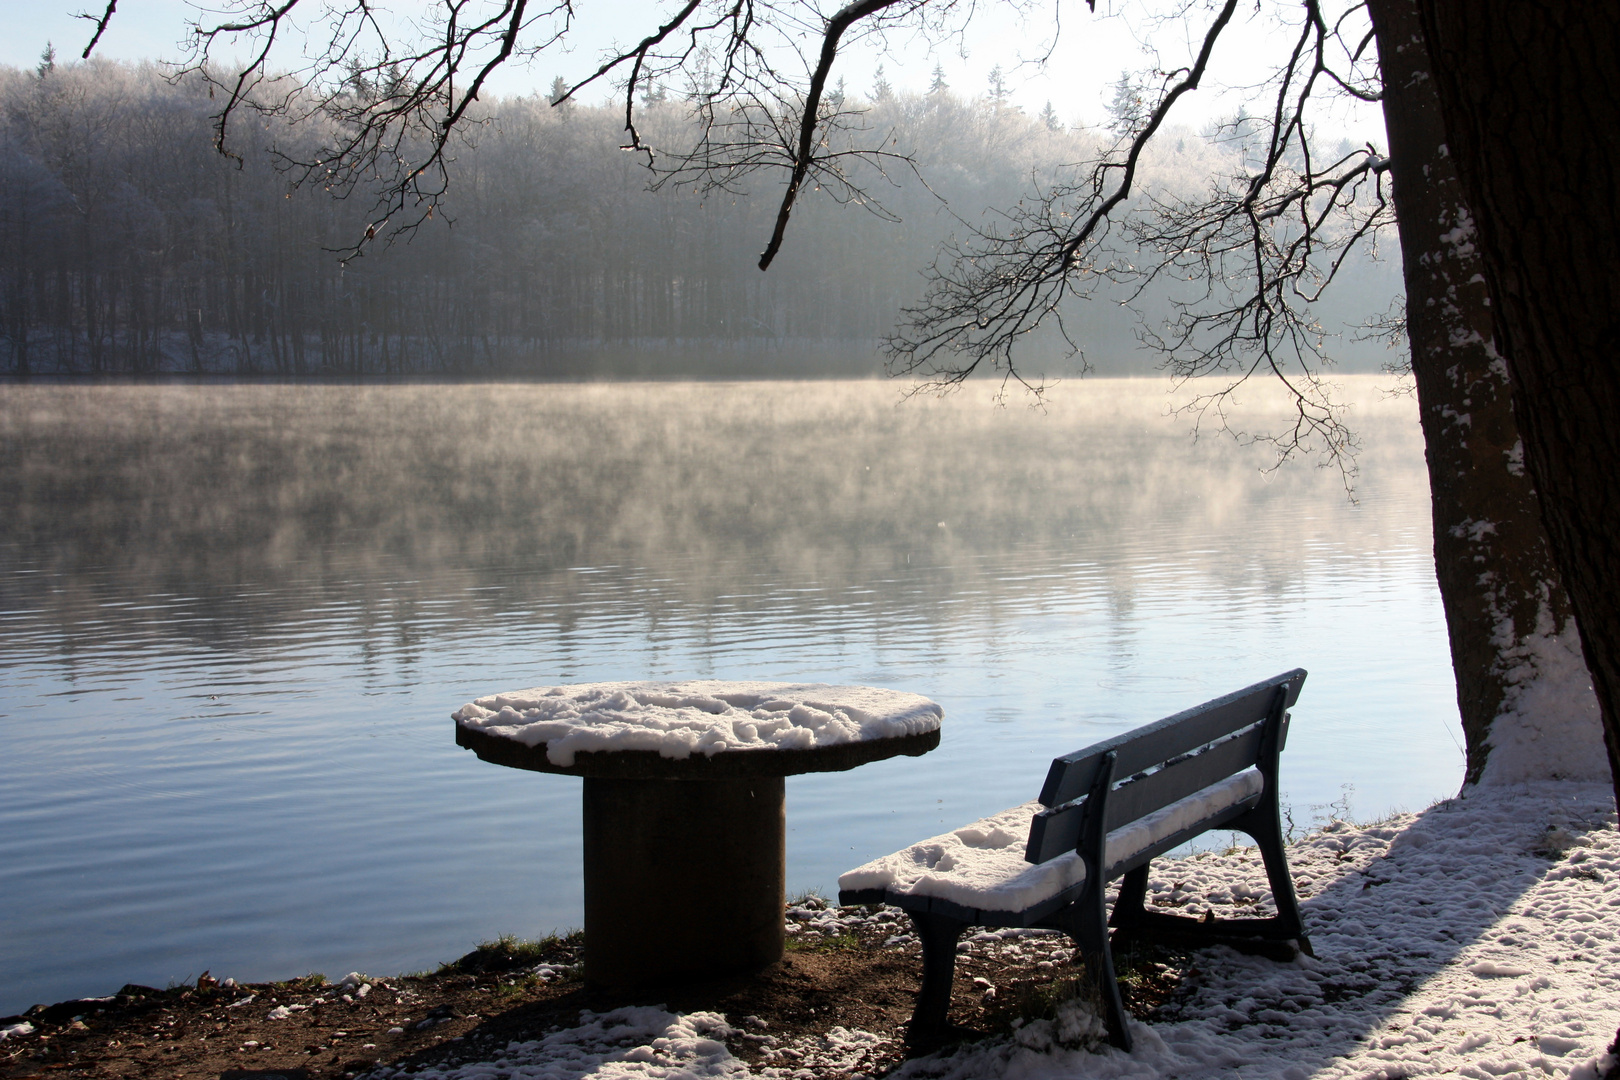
[{"x": 1076, "y": 73}]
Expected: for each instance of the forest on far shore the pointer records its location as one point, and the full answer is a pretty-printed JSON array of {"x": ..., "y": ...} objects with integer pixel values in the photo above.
[{"x": 129, "y": 246}]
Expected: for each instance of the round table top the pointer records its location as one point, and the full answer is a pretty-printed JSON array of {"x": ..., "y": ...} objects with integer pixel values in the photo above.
[{"x": 696, "y": 729}]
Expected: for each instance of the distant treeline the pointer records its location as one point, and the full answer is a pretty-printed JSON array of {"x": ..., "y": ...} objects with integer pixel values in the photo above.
[{"x": 129, "y": 246}]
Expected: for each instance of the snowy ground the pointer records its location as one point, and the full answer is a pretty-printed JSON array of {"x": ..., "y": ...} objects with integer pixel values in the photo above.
[{"x": 1480, "y": 938}]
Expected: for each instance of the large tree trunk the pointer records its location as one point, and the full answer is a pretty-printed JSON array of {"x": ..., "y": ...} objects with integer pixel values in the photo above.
[
  {"x": 1514, "y": 646},
  {"x": 1531, "y": 100}
]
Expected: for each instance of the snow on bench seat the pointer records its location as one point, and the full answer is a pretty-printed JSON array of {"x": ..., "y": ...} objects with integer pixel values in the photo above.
[
  {"x": 981, "y": 866},
  {"x": 678, "y": 719}
]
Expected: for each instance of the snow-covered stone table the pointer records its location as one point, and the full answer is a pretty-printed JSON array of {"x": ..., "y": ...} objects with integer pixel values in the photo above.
[{"x": 684, "y": 817}]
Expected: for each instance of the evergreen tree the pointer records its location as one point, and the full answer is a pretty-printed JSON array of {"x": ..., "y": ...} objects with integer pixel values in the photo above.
[
  {"x": 1126, "y": 107},
  {"x": 881, "y": 90},
  {"x": 998, "y": 86}
]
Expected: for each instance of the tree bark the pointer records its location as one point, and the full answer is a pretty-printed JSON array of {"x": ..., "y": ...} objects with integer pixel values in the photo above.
[
  {"x": 1530, "y": 95},
  {"x": 1514, "y": 646}
]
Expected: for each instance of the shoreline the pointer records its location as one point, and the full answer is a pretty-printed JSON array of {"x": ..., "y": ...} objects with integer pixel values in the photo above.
[{"x": 1480, "y": 937}]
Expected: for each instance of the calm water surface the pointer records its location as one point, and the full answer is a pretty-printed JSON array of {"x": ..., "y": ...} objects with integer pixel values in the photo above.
[{"x": 234, "y": 621}]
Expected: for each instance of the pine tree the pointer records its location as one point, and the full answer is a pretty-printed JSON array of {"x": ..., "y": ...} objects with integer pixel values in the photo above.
[
  {"x": 1125, "y": 109},
  {"x": 881, "y": 90},
  {"x": 998, "y": 86},
  {"x": 559, "y": 87}
]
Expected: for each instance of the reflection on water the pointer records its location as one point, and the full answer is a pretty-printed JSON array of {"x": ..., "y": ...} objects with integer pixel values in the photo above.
[{"x": 234, "y": 620}]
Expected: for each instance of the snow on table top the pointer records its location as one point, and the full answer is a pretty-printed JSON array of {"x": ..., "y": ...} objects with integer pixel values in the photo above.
[
  {"x": 982, "y": 865},
  {"x": 679, "y": 719}
]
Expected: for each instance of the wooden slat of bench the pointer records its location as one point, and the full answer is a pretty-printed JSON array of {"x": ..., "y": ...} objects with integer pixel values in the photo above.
[
  {"x": 1070, "y": 776},
  {"x": 1137, "y": 798},
  {"x": 1057, "y": 830}
]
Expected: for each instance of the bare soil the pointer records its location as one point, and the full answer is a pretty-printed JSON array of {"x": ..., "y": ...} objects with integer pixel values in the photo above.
[{"x": 861, "y": 978}]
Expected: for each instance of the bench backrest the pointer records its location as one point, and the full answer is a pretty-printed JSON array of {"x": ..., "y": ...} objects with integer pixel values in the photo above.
[{"x": 1162, "y": 762}]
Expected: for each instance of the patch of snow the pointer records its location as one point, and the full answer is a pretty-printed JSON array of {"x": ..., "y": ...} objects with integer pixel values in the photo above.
[
  {"x": 548, "y": 972},
  {"x": 982, "y": 865},
  {"x": 1549, "y": 727},
  {"x": 1473, "y": 530},
  {"x": 838, "y": 1053},
  {"x": 678, "y": 719},
  {"x": 16, "y": 1030},
  {"x": 1515, "y": 458},
  {"x": 1464, "y": 420},
  {"x": 1461, "y": 237},
  {"x": 635, "y": 1042},
  {"x": 1077, "y": 1026}
]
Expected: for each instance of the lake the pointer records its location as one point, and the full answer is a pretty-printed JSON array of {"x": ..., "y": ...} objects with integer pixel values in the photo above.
[{"x": 234, "y": 621}]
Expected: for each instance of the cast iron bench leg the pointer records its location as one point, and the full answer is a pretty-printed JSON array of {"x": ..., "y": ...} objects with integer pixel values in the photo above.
[
  {"x": 1131, "y": 906},
  {"x": 1266, "y": 828},
  {"x": 1086, "y": 921},
  {"x": 1274, "y": 937},
  {"x": 929, "y": 1027}
]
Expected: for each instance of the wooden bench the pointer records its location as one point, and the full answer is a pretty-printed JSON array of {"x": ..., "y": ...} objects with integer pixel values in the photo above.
[{"x": 1105, "y": 812}]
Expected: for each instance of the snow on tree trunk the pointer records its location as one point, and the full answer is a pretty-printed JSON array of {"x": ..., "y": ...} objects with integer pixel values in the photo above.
[
  {"x": 1530, "y": 97},
  {"x": 1528, "y": 711}
]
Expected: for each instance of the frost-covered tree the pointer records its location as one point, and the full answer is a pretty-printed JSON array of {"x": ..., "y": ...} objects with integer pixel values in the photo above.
[
  {"x": 1127, "y": 105},
  {"x": 998, "y": 86},
  {"x": 881, "y": 90},
  {"x": 126, "y": 243}
]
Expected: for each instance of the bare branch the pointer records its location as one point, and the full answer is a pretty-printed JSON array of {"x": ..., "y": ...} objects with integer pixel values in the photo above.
[
  {"x": 992, "y": 293},
  {"x": 836, "y": 26},
  {"x": 1256, "y": 251},
  {"x": 637, "y": 58},
  {"x": 101, "y": 26}
]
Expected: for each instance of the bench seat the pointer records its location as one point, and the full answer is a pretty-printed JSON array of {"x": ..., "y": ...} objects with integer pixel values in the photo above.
[{"x": 982, "y": 866}]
